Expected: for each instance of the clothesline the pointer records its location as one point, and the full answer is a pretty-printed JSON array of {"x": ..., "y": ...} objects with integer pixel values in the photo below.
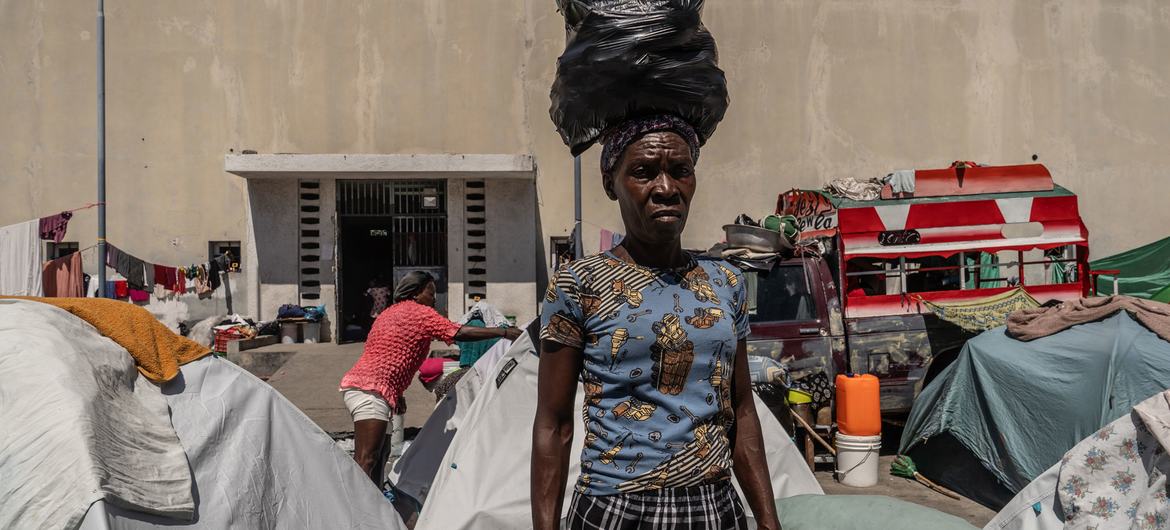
[{"x": 86, "y": 207}]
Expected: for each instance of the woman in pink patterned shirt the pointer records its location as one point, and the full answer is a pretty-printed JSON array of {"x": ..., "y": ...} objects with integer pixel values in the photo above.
[{"x": 395, "y": 349}]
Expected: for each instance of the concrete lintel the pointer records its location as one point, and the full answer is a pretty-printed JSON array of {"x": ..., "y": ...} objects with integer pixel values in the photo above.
[{"x": 380, "y": 166}]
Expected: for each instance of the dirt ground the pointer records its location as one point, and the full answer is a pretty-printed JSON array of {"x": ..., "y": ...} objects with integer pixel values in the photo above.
[{"x": 309, "y": 379}]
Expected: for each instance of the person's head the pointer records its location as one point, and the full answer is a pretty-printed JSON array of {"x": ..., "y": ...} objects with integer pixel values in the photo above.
[
  {"x": 648, "y": 167},
  {"x": 418, "y": 286}
]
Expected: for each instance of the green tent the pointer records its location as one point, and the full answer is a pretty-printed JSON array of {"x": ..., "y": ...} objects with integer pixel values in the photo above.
[
  {"x": 1162, "y": 296},
  {"x": 1144, "y": 270},
  {"x": 1006, "y": 410}
]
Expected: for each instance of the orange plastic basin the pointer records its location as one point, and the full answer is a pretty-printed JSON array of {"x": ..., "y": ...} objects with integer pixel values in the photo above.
[{"x": 859, "y": 408}]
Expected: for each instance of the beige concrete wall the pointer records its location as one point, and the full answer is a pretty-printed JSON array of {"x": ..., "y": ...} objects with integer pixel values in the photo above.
[
  {"x": 511, "y": 250},
  {"x": 820, "y": 89}
]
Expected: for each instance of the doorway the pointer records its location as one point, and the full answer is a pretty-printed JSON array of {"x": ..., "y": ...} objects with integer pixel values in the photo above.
[{"x": 387, "y": 228}]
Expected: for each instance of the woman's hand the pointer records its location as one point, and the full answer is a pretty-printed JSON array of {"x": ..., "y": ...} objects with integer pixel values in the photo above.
[{"x": 751, "y": 468}]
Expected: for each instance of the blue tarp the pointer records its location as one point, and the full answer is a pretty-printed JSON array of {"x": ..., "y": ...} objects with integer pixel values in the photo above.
[{"x": 1019, "y": 406}]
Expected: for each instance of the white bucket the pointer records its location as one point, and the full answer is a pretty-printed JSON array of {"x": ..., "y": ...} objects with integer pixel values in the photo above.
[
  {"x": 312, "y": 331},
  {"x": 857, "y": 459},
  {"x": 288, "y": 333}
]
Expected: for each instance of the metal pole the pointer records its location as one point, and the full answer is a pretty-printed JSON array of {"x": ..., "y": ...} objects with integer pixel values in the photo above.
[
  {"x": 101, "y": 145},
  {"x": 578, "y": 251}
]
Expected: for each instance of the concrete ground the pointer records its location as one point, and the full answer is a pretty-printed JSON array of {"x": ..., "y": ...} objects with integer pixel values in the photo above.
[
  {"x": 909, "y": 491},
  {"x": 309, "y": 379},
  {"x": 310, "y": 376}
]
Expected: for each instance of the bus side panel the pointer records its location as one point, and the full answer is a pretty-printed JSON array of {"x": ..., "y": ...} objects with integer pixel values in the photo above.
[{"x": 897, "y": 350}]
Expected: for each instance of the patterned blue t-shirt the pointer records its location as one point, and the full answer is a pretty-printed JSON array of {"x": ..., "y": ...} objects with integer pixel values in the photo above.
[{"x": 659, "y": 347}]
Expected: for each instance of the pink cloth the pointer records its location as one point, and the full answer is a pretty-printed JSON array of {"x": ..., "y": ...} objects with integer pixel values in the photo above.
[
  {"x": 606, "y": 240},
  {"x": 396, "y": 347},
  {"x": 431, "y": 370},
  {"x": 63, "y": 277},
  {"x": 53, "y": 227}
]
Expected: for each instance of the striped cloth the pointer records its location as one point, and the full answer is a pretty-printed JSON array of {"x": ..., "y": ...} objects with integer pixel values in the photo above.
[{"x": 713, "y": 506}]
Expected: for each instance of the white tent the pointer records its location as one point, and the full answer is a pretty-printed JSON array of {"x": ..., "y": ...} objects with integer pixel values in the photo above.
[
  {"x": 483, "y": 479},
  {"x": 414, "y": 472},
  {"x": 257, "y": 461},
  {"x": 247, "y": 458}
]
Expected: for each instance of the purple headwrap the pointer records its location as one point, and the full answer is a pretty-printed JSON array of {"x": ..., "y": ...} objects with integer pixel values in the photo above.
[{"x": 616, "y": 139}]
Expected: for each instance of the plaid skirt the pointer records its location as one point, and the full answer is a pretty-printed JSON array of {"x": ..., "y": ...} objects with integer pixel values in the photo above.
[{"x": 707, "y": 507}]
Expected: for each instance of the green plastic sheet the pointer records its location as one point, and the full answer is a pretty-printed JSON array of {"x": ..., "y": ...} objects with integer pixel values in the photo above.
[
  {"x": 1145, "y": 271},
  {"x": 861, "y": 512}
]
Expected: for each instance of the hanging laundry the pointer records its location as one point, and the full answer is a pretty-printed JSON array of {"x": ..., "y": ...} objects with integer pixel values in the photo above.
[
  {"x": 64, "y": 277},
  {"x": 180, "y": 281},
  {"x": 130, "y": 267},
  {"x": 21, "y": 259},
  {"x": 167, "y": 278},
  {"x": 52, "y": 228},
  {"x": 138, "y": 295},
  {"x": 202, "y": 284},
  {"x": 213, "y": 269},
  {"x": 148, "y": 276}
]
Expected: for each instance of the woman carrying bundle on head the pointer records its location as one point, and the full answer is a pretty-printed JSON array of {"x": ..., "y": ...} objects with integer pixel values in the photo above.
[{"x": 656, "y": 334}]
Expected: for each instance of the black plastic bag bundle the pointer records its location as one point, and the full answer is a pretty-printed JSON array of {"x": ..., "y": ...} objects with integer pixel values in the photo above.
[{"x": 630, "y": 58}]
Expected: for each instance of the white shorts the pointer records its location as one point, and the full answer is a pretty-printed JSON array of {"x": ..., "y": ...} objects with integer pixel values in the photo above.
[{"x": 365, "y": 405}]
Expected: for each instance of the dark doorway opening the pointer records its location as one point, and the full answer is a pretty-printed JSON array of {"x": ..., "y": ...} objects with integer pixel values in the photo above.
[{"x": 385, "y": 230}]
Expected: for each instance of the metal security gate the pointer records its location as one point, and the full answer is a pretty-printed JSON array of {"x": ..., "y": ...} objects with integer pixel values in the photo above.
[{"x": 387, "y": 229}]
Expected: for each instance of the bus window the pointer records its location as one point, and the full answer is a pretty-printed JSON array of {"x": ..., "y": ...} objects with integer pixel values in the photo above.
[{"x": 780, "y": 295}]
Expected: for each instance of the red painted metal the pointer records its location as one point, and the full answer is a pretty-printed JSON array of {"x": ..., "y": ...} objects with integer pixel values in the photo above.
[{"x": 977, "y": 180}]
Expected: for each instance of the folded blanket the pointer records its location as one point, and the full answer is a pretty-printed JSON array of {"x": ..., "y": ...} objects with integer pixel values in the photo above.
[
  {"x": 1031, "y": 324},
  {"x": 157, "y": 351}
]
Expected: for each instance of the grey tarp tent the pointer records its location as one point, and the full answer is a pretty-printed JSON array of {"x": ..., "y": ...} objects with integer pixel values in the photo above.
[
  {"x": 1007, "y": 410},
  {"x": 257, "y": 461},
  {"x": 87, "y": 440}
]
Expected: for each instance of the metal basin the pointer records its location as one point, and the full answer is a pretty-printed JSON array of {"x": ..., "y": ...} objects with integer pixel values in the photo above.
[{"x": 755, "y": 238}]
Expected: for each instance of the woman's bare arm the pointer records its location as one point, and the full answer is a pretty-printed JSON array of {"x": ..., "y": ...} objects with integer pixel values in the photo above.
[
  {"x": 751, "y": 466},
  {"x": 552, "y": 431}
]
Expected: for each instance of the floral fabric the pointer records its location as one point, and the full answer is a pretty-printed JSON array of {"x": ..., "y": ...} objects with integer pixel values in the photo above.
[{"x": 1116, "y": 478}]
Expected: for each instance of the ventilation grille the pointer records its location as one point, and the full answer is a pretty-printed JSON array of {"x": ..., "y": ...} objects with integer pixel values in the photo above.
[
  {"x": 309, "y": 251},
  {"x": 475, "y": 240}
]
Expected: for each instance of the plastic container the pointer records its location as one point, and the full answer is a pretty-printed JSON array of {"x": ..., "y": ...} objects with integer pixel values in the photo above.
[
  {"x": 312, "y": 332},
  {"x": 288, "y": 333},
  {"x": 857, "y": 460},
  {"x": 798, "y": 397},
  {"x": 859, "y": 407}
]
